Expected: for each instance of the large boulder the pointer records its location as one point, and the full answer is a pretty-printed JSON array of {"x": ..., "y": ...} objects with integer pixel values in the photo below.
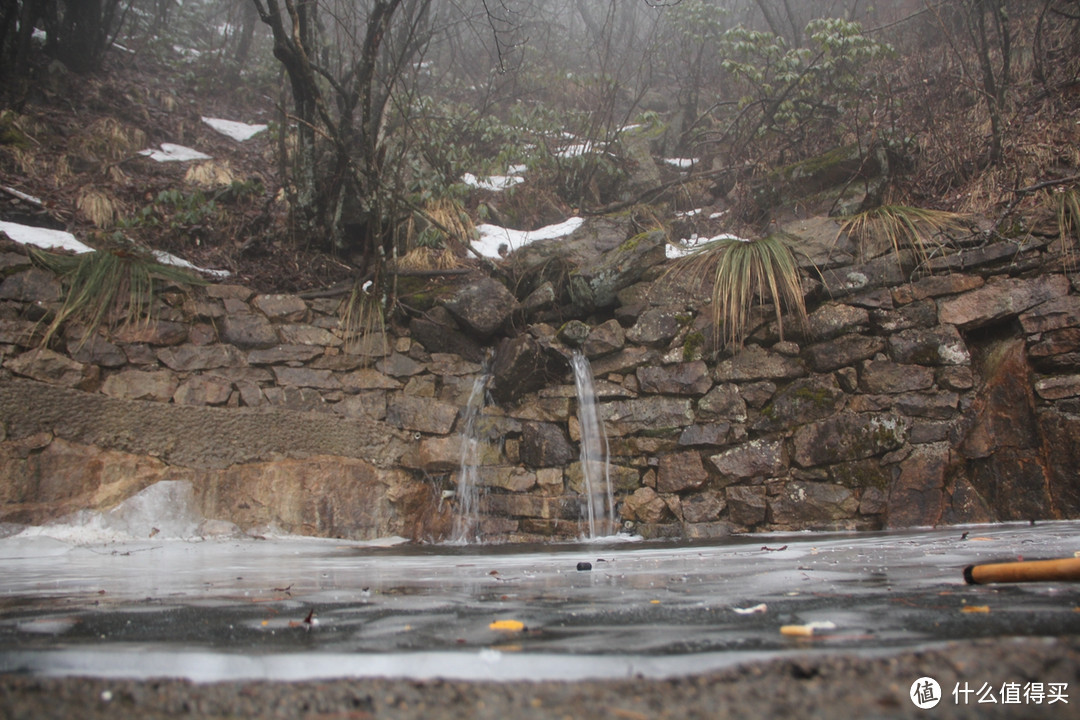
[
  {"x": 482, "y": 307},
  {"x": 523, "y": 365}
]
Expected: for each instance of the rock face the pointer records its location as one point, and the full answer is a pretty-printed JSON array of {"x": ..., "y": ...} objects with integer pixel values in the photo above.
[{"x": 949, "y": 398}]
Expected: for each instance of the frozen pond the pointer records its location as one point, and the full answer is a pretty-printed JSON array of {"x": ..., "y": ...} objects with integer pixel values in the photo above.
[{"x": 303, "y": 608}]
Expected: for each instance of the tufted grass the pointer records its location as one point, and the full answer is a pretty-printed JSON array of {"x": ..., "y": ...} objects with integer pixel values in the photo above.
[
  {"x": 112, "y": 287},
  {"x": 897, "y": 227},
  {"x": 746, "y": 273}
]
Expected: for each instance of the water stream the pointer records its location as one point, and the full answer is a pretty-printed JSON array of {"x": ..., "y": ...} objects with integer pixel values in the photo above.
[
  {"x": 467, "y": 511},
  {"x": 599, "y": 510}
]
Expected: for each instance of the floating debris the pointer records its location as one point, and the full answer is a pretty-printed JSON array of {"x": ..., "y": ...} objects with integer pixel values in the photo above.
[
  {"x": 753, "y": 610},
  {"x": 808, "y": 629},
  {"x": 507, "y": 625},
  {"x": 584, "y": 566}
]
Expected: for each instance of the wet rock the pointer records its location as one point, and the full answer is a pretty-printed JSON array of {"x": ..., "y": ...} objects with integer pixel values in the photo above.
[
  {"x": 887, "y": 377},
  {"x": 939, "y": 405},
  {"x": 919, "y": 314},
  {"x": 1062, "y": 312},
  {"x": 654, "y": 413},
  {"x": 421, "y": 414},
  {"x": 186, "y": 358},
  {"x": 1056, "y": 388},
  {"x": 368, "y": 379},
  {"x": 51, "y": 367},
  {"x": 605, "y": 338},
  {"x": 623, "y": 478},
  {"x": 284, "y": 308},
  {"x": 1061, "y": 432},
  {"x": 306, "y": 377},
  {"x": 802, "y": 401},
  {"x": 846, "y": 350},
  {"x": 811, "y": 504},
  {"x": 623, "y": 361},
  {"x": 154, "y": 332},
  {"x": 32, "y": 285},
  {"x": 523, "y": 365},
  {"x": 574, "y": 333},
  {"x": 833, "y": 319},
  {"x": 712, "y": 434},
  {"x": 623, "y": 266},
  {"x": 756, "y": 363},
  {"x": 1055, "y": 343},
  {"x": 645, "y": 506},
  {"x": 282, "y": 354},
  {"x": 877, "y": 273},
  {"x": 292, "y": 397},
  {"x": 917, "y": 497},
  {"x": 96, "y": 350},
  {"x": 1000, "y": 298},
  {"x": 935, "y": 286},
  {"x": 691, "y": 378},
  {"x": 399, "y": 366},
  {"x": 229, "y": 291},
  {"x": 941, "y": 345},
  {"x": 680, "y": 471},
  {"x": 956, "y": 377},
  {"x": 249, "y": 331},
  {"x": 482, "y": 307},
  {"x": 159, "y": 385},
  {"x": 544, "y": 445},
  {"x": 747, "y": 504},
  {"x": 723, "y": 402},
  {"x": 541, "y": 298},
  {"x": 757, "y": 458},
  {"x": 656, "y": 326},
  {"x": 544, "y": 507},
  {"x": 847, "y": 437},
  {"x": 703, "y": 507},
  {"x": 292, "y": 334},
  {"x": 438, "y": 332},
  {"x": 203, "y": 390},
  {"x": 509, "y": 478}
]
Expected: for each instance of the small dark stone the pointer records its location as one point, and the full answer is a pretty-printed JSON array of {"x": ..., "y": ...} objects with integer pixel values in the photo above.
[{"x": 584, "y": 566}]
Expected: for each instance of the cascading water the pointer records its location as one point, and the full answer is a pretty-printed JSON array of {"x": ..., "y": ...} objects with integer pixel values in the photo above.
[
  {"x": 467, "y": 511},
  {"x": 600, "y": 502}
]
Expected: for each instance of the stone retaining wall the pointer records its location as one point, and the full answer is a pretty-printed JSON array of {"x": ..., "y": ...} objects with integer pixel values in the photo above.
[{"x": 954, "y": 398}]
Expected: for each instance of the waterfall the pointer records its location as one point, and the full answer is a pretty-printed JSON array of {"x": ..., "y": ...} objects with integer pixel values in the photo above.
[
  {"x": 467, "y": 511},
  {"x": 600, "y": 503}
]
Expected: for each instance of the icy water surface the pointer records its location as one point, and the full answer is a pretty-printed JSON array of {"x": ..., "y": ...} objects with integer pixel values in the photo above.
[{"x": 304, "y": 608}]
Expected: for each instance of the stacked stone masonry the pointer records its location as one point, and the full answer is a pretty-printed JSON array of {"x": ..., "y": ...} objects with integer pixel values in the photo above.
[{"x": 952, "y": 398}]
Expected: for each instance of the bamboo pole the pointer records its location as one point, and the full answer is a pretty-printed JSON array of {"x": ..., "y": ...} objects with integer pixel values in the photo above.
[{"x": 1028, "y": 571}]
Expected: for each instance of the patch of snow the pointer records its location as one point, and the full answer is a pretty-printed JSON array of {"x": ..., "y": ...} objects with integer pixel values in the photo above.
[
  {"x": 494, "y": 183},
  {"x": 43, "y": 237},
  {"x": 517, "y": 169},
  {"x": 186, "y": 53},
  {"x": 170, "y": 152},
  {"x": 169, "y": 259},
  {"x": 492, "y": 237},
  {"x": 718, "y": 215},
  {"x": 687, "y": 213},
  {"x": 681, "y": 163},
  {"x": 236, "y": 130},
  {"x": 632, "y": 126},
  {"x": 23, "y": 196},
  {"x": 573, "y": 151},
  {"x": 690, "y": 245}
]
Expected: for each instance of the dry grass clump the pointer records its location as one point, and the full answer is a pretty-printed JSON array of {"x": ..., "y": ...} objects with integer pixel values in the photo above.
[
  {"x": 746, "y": 273},
  {"x": 210, "y": 174},
  {"x": 108, "y": 140},
  {"x": 99, "y": 207},
  {"x": 898, "y": 227}
]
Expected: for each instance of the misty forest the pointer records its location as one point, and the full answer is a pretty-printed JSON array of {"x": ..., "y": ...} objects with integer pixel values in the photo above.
[{"x": 396, "y": 127}]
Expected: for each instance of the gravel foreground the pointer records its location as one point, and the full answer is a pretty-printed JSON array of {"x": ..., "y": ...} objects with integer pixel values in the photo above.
[{"x": 819, "y": 686}]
